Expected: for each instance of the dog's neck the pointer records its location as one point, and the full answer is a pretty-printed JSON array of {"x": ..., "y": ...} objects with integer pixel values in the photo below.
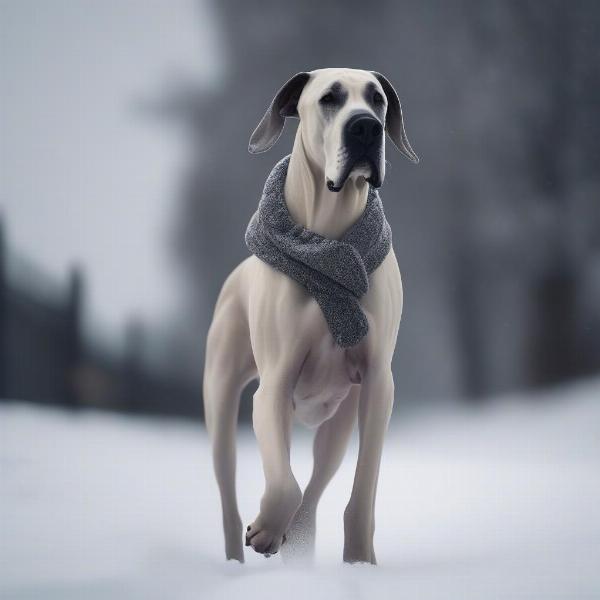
[{"x": 310, "y": 202}]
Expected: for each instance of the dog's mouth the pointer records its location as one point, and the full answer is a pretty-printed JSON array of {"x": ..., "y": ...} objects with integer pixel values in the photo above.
[{"x": 365, "y": 165}]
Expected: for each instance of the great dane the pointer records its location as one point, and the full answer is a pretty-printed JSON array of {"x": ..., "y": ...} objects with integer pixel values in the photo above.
[{"x": 267, "y": 327}]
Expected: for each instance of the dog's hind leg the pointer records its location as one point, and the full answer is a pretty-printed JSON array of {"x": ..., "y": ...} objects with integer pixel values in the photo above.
[
  {"x": 329, "y": 447},
  {"x": 229, "y": 367}
]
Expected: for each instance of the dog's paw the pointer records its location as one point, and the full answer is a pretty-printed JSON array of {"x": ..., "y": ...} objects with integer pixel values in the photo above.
[
  {"x": 262, "y": 540},
  {"x": 358, "y": 537},
  {"x": 267, "y": 533},
  {"x": 234, "y": 550},
  {"x": 365, "y": 555}
]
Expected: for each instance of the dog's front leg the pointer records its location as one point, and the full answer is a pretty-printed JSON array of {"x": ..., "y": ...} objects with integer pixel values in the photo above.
[
  {"x": 271, "y": 418},
  {"x": 375, "y": 408}
]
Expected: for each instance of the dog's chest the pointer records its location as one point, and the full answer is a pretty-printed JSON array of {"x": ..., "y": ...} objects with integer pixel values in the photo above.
[{"x": 324, "y": 381}]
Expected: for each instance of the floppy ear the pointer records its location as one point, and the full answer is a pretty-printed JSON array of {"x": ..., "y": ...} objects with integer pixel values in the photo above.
[
  {"x": 285, "y": 104},
  {"x": 394, "y": 125}
]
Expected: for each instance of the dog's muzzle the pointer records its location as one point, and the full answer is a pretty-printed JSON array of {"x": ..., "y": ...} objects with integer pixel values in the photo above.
[{"x": 363, "y": 143}]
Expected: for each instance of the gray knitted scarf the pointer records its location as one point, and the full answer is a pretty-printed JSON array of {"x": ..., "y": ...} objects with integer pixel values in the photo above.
[{"x": 334, "y": 272}]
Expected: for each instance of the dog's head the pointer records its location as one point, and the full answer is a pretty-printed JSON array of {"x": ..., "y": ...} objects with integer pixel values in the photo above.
[{"x": 343, "y": 114}]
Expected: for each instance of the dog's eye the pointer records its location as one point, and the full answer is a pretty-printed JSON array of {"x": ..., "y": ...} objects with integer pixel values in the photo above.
[
  {"x": 377, "y": 98},
  {"x": 327, "y": 99}
]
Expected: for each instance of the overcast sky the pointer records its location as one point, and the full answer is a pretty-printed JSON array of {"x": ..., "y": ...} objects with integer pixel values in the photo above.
[{"x": 82, "y": 177}]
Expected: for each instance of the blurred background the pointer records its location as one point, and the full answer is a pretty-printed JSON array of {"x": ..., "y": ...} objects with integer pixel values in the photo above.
[{"x": 126, "y": 188}]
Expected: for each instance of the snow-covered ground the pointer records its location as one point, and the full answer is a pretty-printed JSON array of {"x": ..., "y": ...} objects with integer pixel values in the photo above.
[{"x": 503, "y": 502}]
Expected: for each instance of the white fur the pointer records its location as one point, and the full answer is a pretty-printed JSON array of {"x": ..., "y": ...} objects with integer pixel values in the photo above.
[
  {"x": 323, "y": 139},
  {"x": 266, "y": 326}
]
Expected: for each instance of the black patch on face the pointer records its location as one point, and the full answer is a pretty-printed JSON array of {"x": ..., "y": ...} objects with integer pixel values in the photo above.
[
  {"x": 362, "y": 139},
  {"x": 375, "y": 99},
  {"x": 333, "y": 99}
]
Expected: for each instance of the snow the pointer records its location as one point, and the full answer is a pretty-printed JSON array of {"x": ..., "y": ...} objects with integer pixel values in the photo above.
[{"x": 500, "y": 502}]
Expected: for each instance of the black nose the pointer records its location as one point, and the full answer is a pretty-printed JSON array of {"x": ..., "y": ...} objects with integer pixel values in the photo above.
[{"x": 364, "y": 128}]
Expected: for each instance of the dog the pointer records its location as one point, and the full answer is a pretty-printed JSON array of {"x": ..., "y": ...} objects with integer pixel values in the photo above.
[{"x": 267, "y": 327}]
